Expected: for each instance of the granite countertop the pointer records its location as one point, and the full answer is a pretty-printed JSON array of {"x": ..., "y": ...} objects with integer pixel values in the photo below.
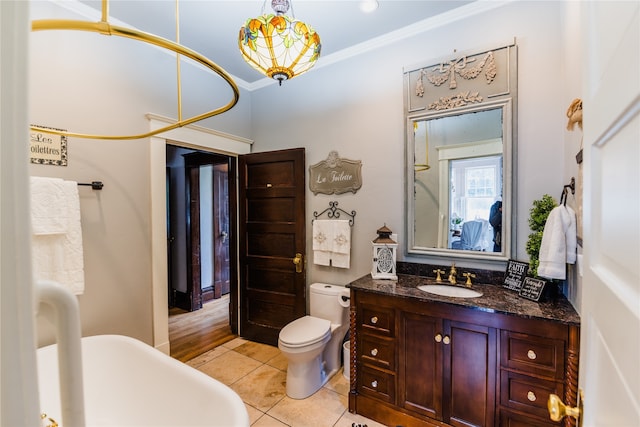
[{"x": 494, "y": 299}]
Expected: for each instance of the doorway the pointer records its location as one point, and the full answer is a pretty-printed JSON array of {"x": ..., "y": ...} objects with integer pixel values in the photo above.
[{"x": 200, "y": 227}]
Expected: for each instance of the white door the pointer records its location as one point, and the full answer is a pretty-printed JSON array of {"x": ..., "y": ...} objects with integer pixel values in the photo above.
[{"x": 610, "y": 338}]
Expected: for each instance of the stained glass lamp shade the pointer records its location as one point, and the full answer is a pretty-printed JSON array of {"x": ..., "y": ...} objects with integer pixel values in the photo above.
[{"x": 277, "y": 45}]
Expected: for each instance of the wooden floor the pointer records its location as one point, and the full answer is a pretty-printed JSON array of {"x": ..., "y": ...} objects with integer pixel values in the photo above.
[{"x": 194, "y": 333}]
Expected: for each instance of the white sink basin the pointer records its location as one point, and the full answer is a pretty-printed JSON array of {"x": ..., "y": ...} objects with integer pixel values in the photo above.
[{"x": 450, "y": 291}]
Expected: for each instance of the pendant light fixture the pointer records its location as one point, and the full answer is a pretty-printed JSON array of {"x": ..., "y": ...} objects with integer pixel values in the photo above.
[{"x": 277, "y": 45}]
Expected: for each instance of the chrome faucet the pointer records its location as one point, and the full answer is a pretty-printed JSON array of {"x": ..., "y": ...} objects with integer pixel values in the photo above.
[{"x": 452, "y": 274}]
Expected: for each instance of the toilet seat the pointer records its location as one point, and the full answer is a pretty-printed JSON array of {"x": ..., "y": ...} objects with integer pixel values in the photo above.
[{"x": 305, "y": 331}]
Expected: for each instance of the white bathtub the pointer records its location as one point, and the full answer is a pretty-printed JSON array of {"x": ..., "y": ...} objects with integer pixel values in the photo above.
[{"x": 129, "y": 383}]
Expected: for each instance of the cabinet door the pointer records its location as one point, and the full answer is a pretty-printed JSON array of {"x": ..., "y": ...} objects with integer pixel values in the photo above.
[
  {"x": 470, "y": 374},
  {"x": 420, "y": 364}
]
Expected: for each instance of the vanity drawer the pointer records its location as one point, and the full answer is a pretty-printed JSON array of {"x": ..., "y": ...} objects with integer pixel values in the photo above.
[
  {"x": 378, "y": 320},
  {"x": 378, "y": 351},
  {"x": 527, "y": 394},
  {"x": 533, "y": 354},
  {"x": 513, "y": 419},
  {"x": 377, "y": 383}
]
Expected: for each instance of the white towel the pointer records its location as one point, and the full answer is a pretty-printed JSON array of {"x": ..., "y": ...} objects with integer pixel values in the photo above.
[
  {"x": 559, "y": 243},
  {"x": 332, "y": 243},
  {"x": 341, "y": 252},
  {"x": 322, "y": 241},
  {"x": 48, "y": 215},
  {"x": 322, "y": 235},
  {"x": 59, "y": 256}
]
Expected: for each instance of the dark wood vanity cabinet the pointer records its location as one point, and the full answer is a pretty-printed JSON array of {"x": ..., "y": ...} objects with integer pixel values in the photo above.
[
  {"x": 447, "y": 369},
  {"x": 420, "y": 363}
]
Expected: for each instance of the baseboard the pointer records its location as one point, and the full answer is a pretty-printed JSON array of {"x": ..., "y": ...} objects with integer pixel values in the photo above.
[
  {"x": 164, "y": 347},
  {"x": 181, "y": 300}
]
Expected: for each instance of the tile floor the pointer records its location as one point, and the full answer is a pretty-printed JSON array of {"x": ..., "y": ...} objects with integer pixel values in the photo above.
[{"x": 258, "y": 372}]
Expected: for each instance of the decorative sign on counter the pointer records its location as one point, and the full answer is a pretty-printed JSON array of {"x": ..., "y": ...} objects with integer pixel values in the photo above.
[
  {"x": 48, "y": 148},
  {"x": 532, "y": 288},
  {"x": 515, "y": 274},
  {"x": 335, "y": 175}
]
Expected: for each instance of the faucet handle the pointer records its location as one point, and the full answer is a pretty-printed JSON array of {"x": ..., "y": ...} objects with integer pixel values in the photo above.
[
  {"x": 438, "y": 273},
  {"x": 468, "y": 276}
]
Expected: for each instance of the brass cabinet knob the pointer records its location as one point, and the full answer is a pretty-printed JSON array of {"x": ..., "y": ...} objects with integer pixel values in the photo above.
[
  {"x": 558, "y": 410},
  {"x": 374, "y": 352},
  {"x": 374, "y": 320},
  {"x": 532, "y": 355},
  {"x": 531, "y": 396},
  {"x": 438, "y": 338},
  {"x": 446, "y": 339}
]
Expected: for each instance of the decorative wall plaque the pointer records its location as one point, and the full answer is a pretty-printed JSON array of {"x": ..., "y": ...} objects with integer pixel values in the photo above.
[
  {"x": 48, "y": 148},
  {"x": 335, "y": 175}
]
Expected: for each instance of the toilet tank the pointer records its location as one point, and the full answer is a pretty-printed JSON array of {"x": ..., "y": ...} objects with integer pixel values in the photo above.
[{"x": 325, "y": 302}]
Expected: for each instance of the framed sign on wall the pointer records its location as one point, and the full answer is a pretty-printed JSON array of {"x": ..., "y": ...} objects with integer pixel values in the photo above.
[
  {"x": 335, "y": 175},
  {"x": 48, "y": 148}
]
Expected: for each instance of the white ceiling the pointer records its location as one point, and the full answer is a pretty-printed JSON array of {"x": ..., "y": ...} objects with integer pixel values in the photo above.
[{"x": 211, "y": 27}]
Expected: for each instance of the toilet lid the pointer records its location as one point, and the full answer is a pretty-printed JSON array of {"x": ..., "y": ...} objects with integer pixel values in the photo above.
[{"x": 305, "y": 330}]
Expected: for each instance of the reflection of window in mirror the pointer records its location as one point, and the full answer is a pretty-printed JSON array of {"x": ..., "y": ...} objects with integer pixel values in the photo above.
[{"x": 475, "y": 185}]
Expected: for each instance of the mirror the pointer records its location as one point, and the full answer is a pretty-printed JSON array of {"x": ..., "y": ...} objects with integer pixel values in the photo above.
[
  {"x": 459, "y": 160},
  {"x": 457, "y": 183}
]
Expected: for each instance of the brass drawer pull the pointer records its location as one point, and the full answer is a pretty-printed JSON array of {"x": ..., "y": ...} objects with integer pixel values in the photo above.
[
  {"x": 446, "y": 339},
  {"x": 531, "y": 396},
  {"x": 374, "y": 320},
  {"x": 374, "y": 384},
  {"x": 438, "y": 338},
  {"x": 532, "y": 355},
  {"x": 374, "y": 352}
]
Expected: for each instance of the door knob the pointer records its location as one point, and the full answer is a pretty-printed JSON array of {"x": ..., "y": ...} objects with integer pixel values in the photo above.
[
  {"x": 298, "y": 262},
  {"x": 558, "y": 410}
]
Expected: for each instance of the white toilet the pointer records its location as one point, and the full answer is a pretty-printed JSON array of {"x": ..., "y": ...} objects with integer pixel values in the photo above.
[{"x": 313, "y": 344}]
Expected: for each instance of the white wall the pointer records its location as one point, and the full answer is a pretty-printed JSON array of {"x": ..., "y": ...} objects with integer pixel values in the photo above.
[
  {"x": 85, "y": 82},
  {"x": 355, "y": 107},
  {"x": 573, "y": 76}
]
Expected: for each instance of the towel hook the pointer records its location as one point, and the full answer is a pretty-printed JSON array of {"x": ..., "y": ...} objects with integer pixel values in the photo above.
[{"x": 572, "y": 186}]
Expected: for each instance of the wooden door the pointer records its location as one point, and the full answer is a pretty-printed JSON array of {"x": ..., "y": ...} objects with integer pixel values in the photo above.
[
  {"x": 272, "y": 232},
  {"x": 610, "y": 311},
  {"x": 221, "y": 230},
  {"x": 209, "y": 215}
]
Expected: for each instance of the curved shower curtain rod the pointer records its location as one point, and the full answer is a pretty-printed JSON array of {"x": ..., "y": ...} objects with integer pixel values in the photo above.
[{"x": 105, "y": 28}]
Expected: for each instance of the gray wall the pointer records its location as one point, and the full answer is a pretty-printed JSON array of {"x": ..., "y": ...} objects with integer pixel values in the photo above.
[{"x": 354, "y": 107}]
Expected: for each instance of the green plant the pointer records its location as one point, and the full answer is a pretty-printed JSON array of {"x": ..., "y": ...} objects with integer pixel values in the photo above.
[{"x": 538, "y": 215}]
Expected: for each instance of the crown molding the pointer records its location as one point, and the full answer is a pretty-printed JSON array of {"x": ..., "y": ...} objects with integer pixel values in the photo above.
[{"x": 452, "y": 16}]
